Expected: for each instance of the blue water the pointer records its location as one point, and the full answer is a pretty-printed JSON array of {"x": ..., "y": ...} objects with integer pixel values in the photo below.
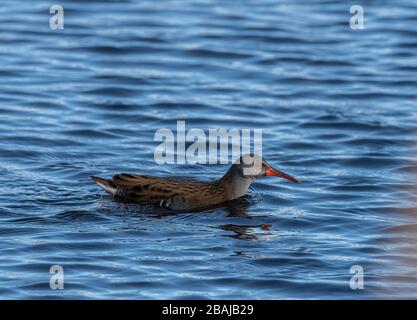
[{"x": 337, "y": 108}]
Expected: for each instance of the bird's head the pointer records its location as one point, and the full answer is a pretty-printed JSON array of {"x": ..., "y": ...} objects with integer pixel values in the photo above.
[{"x": 252, "y": 167}]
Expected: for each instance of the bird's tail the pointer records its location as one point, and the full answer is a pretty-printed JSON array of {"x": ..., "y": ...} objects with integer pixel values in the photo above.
[{"x": 107, "y": 185}]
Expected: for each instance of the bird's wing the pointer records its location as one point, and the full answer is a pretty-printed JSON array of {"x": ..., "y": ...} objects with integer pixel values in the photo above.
[{"x": 169, "y": 193}]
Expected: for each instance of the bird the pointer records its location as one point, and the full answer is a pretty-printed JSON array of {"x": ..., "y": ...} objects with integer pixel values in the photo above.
[{"x": 183, "y": 194}]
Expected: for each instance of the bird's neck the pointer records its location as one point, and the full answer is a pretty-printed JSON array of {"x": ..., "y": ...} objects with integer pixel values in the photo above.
[{"x": 236, "y": 185}]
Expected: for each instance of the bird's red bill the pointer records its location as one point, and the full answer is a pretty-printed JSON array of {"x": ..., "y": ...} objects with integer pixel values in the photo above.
[{"x": 277, "y": 173}]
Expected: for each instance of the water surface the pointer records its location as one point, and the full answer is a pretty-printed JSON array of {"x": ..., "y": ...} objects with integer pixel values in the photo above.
[{"x": 337, "y": 108}]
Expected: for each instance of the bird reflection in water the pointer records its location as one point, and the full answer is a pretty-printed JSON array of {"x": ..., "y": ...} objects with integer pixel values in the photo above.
[{"x": 238, "y": 208}]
